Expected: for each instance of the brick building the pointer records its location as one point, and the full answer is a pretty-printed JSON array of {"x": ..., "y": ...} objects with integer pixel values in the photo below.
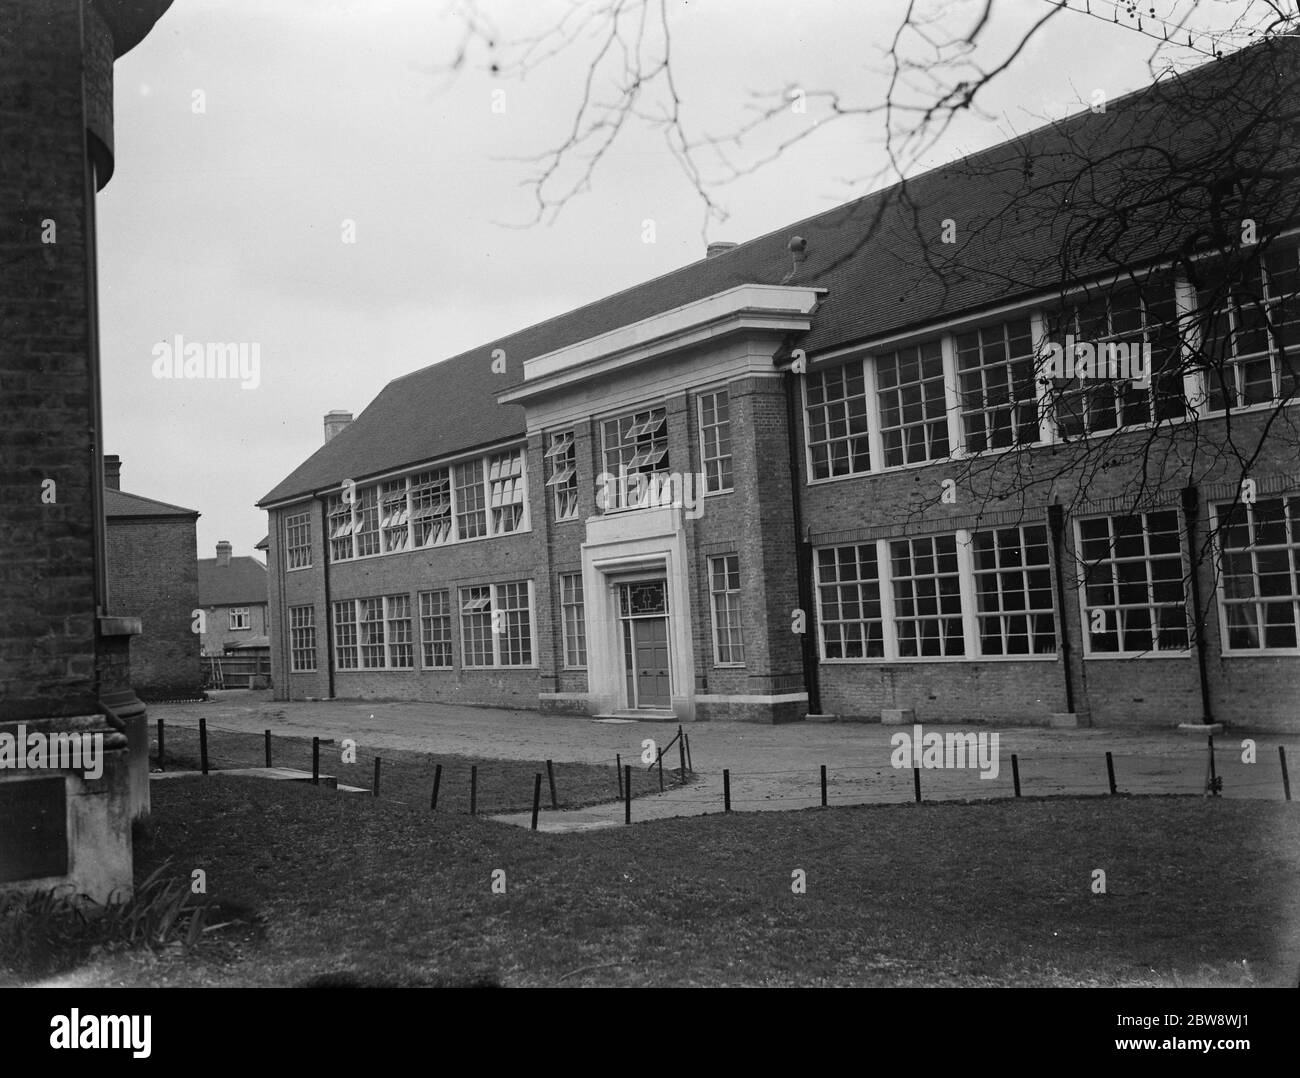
[
  {"x": 152, "y": 575},
  {"x": 233, "y": 595},
  {"x": 830, "y": 470}
]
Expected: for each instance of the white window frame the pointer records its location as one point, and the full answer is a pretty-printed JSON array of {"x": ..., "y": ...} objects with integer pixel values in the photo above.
[
  {"x": 302, "y": 629},
  {"x": 652, "y": 461},
  {"x": 297, "y": 542},
  {"x": 345, "y": 649},
  {"x": 489, "y": 604},
  {"x": 732, "y": 599},
  {"x": 439, "y": 623},
  {"x": 1292, "y": 546},
  {"x": 573, "y": 621},
  {"x": 704, "y": 429},
  {"x": 240, "y": 619},
  {"x": 561, "y": 459}
]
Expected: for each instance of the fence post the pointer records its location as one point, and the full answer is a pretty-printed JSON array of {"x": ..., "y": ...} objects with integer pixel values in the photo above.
[
  {"x": 618, "y": 769},
  {"x": 267, "y": 738},
  {"x": 627, "y": 793},
  {"x": 1211, "y": 775},
  {"x": 823, "y": 785},
  {"x": 473, "y": 790},
  {"x": 681, "y": 754},
  {"x": 726, "y": 789},
  {"x": 437, "y": 779},
  {"x": 376, "y": 790},
  {"x": 916, "y": 783},
  {"x": 203, "y": 745},
  {"x": 162, "y": 751},
  {"x": 1015, "y": 772},
  {"x": 1286, "y": 779},
  {"x": 1110, "y": 772},
  {"x": 660, "y": 762},
  {"x": 550, "y": 774},
  {"x": 690, "y": 763},
  {"x": 537, "y": 795},
  {"x": 315, "y": 761}
]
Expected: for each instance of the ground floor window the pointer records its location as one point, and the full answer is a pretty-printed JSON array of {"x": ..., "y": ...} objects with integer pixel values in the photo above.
[
  {"x": 572, "y": 614},
  {"x": 1259, "y": 593},
  {"x": 496, "y": 624},
  {"x": 724, "y": 595},
  {"x": 374, "y": 633},
  {"x": 302, "y": 639},
  {"x": 435, "y": 629}
]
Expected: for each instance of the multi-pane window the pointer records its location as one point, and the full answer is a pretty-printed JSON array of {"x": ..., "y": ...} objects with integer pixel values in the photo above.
[
  {"x": 573, "y": 618},
  {"x": 471, "y": 517},
  {"x": 302, "y": 639},
  {"x": 367, "y": 513},
  {"x": 496, "y": 624},
  {"x": 476, "y": 626},
  {"x": 848, "y": 596},
  {"x": 1251, "y": 331},
  {"x": 635, "y": 445},
  {"x": 397, "y": 619},
  {"x": 1260, "y": 561},
  {"x": 370, "y": 622},
  {"x": 927, "y": 596},
  {"x": 394, "y": 515},
  {"x": 715, "y": 440},
  {"x": 435, "y": 629},
  {"x": 562, "y": 474},
  {"x": 431, "y": 506},
  {"x": 837, "y": 421},
  {"x": 339, "y": 516},
  {"x": 1133, "y": 592},
  {"x": 1120, "y": 327},
  {"x": 724, "y": 593},
  {"x": 913, "y": 404},
  {"x": 999, "y": 401},
  {"x": 1013, "y": 592},
  {"x": 345, "y": 635},
  {"x": 239, "y": 617},
  {"x": 297, "y": 541},
  {"x": 506, "y": 491}
]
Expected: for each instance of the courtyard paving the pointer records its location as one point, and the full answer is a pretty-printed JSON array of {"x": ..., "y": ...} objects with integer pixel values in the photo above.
[{"x": 771, "y": 767}]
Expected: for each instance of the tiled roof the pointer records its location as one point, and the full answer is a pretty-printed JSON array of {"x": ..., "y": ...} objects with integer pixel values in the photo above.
[
  {"x": 241, "y": 583},
  {"x": 1016, "y": 208},
  {"x": 118, "y": 503}
]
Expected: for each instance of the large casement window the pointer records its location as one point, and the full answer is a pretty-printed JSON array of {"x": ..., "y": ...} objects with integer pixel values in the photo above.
[
  {"x": 496, "y": 624},
  {"x": 302, "y": 639},
  {"x": 715, "y": 441},
  {"x": 473, "y": 499},
  {"x": 297, "y": 541},
  {"x": 435, "y": 630},
  {"x": 1246, "y": 322},
  {"x": 1126, "y": 326},
  {"x": 838, "y": 441},
  {"x": 999, "y": 394},
  {"x": 913, "y": 404},
  {"x": 635, "y": 445},
  {"x": 562, "y": 474},
  {"x": 724, "y": 597},
  {"x": 960, "y": 595},
  {"x": 1259, "y": 574},
  {"x": 373, "y": 633},
  {"x": 573, "y": 616},
  {"x": 1132, "y": 584}
]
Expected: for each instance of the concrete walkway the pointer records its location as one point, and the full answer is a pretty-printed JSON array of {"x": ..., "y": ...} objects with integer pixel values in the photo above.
[{"x": 772, "y": 767}]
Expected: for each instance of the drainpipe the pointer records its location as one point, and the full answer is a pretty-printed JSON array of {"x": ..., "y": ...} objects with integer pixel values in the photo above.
[
  {"x": 1191, "y": 501},
  {"x": 803, "y": 552},
  {"x": 1056, "y": 523},
  {"x": 329, "y": 607}
]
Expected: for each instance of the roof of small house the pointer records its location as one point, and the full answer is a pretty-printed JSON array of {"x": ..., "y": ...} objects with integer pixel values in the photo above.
[
  {"x": 1015, "y": 208},
  {"x": 242, "y": 582},
  {"x": 118, "y": 503}
]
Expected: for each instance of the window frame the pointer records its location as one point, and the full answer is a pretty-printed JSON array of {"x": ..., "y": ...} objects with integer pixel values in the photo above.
[
  {"x": 725, "y": 471},
  {"x": 296, "y": 648},
  {"x": 573, "y": 621},
  {"x": 244, "y": 615},
  {"x": 733, "y": 601},
  {"x": 489, "y": 605},
  {"x": 297, "y": 542},
  {"x": 1292, "y": 546},
  {"x": 561, "y": 461}
]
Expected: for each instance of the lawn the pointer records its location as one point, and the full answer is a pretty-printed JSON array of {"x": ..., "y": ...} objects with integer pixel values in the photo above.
[{"x": 354, "y": 889}]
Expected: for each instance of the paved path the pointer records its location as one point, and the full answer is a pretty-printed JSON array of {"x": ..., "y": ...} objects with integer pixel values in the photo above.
[{"x": 772, "y": 767}]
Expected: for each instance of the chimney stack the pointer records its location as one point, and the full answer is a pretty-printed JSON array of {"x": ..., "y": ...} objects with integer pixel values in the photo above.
[
  {"x": 335, "y": 422},
  {"x": 718, "y": 247},
  {"x": 223, "y": 553},
  {"x": 113, "y": 472}
]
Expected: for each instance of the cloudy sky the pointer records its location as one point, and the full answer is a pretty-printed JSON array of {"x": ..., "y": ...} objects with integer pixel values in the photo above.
[{"x": 250, "y": 133}]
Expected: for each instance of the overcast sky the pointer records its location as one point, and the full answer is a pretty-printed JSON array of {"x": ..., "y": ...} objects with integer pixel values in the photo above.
[{"x": 227, "y": 224}]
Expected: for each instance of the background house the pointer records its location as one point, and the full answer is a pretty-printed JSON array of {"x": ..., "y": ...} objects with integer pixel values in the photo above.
[
  {"x": 233, "y": 595},
  {"x": 152, "y": 576}
]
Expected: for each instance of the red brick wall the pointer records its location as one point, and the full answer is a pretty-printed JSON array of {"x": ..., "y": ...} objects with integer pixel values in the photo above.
[{"x": 154, "y": 576}]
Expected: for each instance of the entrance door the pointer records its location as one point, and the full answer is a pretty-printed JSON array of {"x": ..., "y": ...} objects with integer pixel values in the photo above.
[{"x": 651, "y": 654}]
